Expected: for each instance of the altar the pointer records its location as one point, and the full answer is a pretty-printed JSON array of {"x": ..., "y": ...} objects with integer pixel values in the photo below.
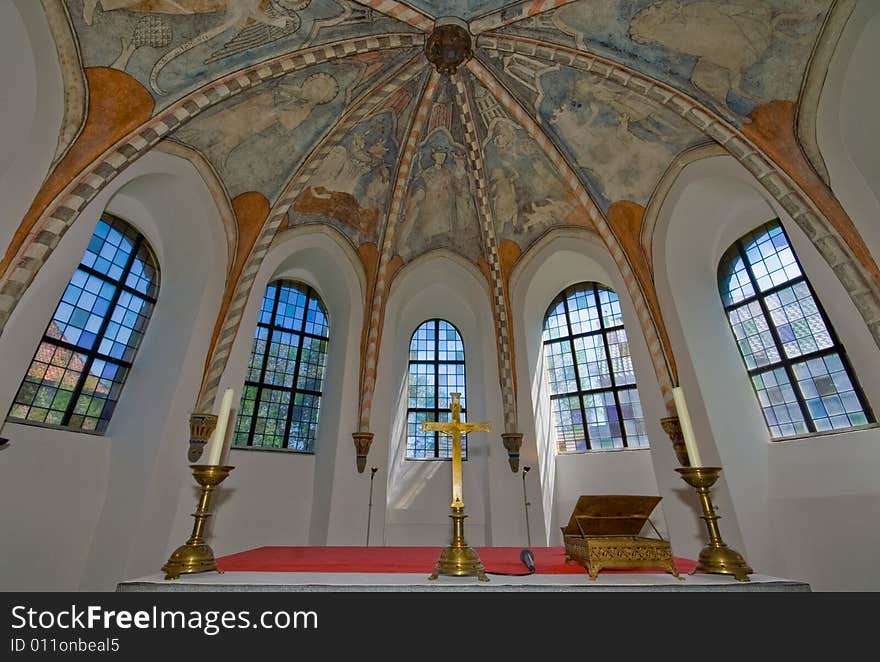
[{"x": 406, "y": 569}]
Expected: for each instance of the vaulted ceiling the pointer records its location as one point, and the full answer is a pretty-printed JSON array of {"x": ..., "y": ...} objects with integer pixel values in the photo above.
[
  {"x": 472, "y": 126},
  {"x": 333, "y": 135}
]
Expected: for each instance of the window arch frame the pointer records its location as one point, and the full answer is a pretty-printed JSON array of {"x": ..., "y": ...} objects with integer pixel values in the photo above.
[
  {"x": 261, "y": 385},
  {"x": 436, "y": 410},
  {"x": 580, "y": 393},
  {"x": 92, "y": 354},
  {"x": 726, "y": 270}
]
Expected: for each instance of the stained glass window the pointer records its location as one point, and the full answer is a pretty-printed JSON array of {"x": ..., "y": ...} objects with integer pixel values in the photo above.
[
  {"x": 85, "y": 355},
  {"x": 796, "y": 364},
  {"x": 436, "y": 369},
  {"x": 285, "y": 376},
  {"x": 590, "y": 370}
]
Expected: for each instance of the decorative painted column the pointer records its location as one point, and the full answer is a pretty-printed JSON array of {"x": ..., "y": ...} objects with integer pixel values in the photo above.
[{"x": 512, "y": 442}]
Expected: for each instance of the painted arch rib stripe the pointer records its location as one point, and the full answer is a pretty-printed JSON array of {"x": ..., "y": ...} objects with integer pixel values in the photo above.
[
  {"x": 858, "y": 280},
  {"x": 662, "y": 366},
  {"x": 64, "y": 210},
  {"x": 380, "y": 291},
  {"x": 366, "y": 104}
]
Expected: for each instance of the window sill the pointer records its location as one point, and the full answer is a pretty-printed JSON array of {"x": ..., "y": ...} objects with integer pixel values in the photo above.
[
  {"x": 824, "y": 433},
  {"x": 594, "y": 451},
  {"x": 52, "y": 426},
  {"x": 431, "y": 459},
  {"x": 291, "y": 451}
]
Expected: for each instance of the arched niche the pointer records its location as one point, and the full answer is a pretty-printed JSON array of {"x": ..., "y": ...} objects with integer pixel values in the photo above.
[
  {"x": 32, "y": 108},
  {"x": 108, "y": 496},
  {"x": 781, "y": 493},
  {"x": 847, "y": 125},
  {"x": 280, "y": 497},
  {"x": 416, "y": 493},
  {"x": 562, "y": 258}
]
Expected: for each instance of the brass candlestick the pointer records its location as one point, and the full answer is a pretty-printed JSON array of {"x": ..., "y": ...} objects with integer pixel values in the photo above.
[
  {"x": 196, "y": 555},
  {"x": 716, "y": 557}
]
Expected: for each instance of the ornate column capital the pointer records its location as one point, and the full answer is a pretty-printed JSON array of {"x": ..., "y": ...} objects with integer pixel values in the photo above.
[{"x": 672, "y": 427}]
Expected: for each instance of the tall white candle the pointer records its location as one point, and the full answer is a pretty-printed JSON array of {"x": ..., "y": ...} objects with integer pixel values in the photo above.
[
  {"x": 687, "y": 430},
  {"x": 217, "y": 442}
]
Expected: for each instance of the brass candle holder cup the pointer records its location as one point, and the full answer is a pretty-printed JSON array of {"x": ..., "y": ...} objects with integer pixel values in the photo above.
[
  {"x": 716, "y": 557},
  {"x": 196, "y": 555}
]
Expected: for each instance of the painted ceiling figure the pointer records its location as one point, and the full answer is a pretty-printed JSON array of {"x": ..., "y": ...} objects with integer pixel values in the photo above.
[
  {"x": 347, "y": 169},
  {"x": 286, "y": 104},
  {"x": 440, "y": 200}
]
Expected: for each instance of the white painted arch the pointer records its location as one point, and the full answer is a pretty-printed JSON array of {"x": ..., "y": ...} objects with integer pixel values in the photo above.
[{"x": 780, "y": 493}]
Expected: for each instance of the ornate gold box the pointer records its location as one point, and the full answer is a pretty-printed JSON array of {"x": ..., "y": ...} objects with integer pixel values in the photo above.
[{"x": 604, "y": 531}]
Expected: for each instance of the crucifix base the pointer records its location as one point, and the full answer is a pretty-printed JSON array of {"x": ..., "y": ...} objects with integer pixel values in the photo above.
[{"x": 459, "y": 560}]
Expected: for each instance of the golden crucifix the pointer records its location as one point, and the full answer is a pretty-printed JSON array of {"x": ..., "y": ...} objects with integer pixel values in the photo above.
[{"x": 458, "y": 560}]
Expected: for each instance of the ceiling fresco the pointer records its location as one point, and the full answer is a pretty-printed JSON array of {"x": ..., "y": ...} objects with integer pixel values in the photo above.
[
  {"x": 173, "y": 46},
  {"x": 464, "y": 9},
  {"x": 732, "y": 56},
  {"x": 330, "y": 137}
]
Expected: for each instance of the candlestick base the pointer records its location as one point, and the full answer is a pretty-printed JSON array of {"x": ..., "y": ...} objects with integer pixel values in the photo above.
[
  {"x": 196, "y": 555},
  {"x": 459, "y": 560},
  {"x": 716, "y": 557}
]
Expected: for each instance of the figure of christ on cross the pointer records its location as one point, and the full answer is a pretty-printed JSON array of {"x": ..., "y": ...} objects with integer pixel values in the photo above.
[{"x": 458, "y": 559}]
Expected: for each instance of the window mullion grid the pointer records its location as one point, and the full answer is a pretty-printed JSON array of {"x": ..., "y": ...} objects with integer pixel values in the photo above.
[
  {"x": 607, "y": 350},
  {"x": 784, "y": 361},
  {"x": 259, "y": 396},
  {"x": 92, "y": 352},
  {"x": 299, "y": 346},
  {"x": 577, "y": 372},
  {"x": 118, "y": 283},
  {"x": 436, "y": 386},
  {"x": 837, "y": 347}
]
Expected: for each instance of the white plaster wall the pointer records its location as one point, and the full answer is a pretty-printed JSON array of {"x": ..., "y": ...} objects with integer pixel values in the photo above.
[
  {"x": 106, "y": 500},
  {"x": 848, "y": 127},
  {"x": 786, "y": 496},
  {"x": 282, "y": 497},
  {"x": 561, "y": 259},
  {"x": 417, "y": 493},
  {"x": 31, "y": 108}
]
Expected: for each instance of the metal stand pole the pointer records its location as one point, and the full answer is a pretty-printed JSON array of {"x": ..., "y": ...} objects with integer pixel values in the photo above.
[
  {"x": 373, "y": 471},
  {"x": 526, "y": 505}
]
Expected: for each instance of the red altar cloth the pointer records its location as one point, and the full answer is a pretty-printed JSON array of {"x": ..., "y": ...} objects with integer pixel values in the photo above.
[{"x": 548, "y": 560}]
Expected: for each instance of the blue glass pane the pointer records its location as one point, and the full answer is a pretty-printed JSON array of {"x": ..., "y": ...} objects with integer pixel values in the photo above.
[
  {"x": 285, "y": 372},
  {"x": 80, "y": 389},
  {"x": 436, "y": 369}
]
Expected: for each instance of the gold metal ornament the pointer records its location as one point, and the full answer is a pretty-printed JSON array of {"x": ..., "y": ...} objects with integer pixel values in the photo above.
[
  {"x": 196, "y": 555},
  {"x": 716, "y": 557},
  {"x": 457, "y": 560}
]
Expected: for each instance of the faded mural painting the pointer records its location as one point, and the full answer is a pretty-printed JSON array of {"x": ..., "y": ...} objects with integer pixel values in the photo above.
[
  {"x": 464, "y": 9},
  {"x": 256, "y": 140},
  {"x": 172, "y": 46},
  {"x": 439, "y": 209},
  {"x": 525, "y": 190},
  {"x": 732, "y": 56},
  {"x": 619, "y": 142},
  {"x": 351, "y": 187}
]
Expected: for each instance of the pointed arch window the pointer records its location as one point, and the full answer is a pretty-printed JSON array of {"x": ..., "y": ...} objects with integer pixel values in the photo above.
[
  {"x": 797, "y": 366},
  {"x": 436, "y": 369},
  {"x": 593, "y": 391},
  {"x": 76, "y": 376},
  {"x": 282, "y": 391}
]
